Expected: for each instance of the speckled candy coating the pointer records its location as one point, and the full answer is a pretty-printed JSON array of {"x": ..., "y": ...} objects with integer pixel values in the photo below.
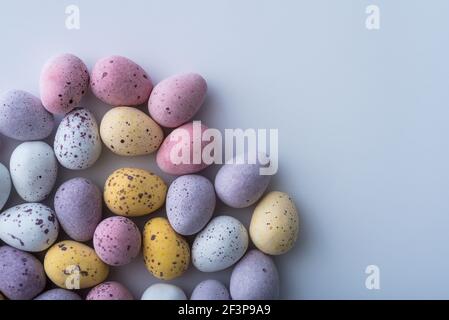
[
  {"x": 255, "y": 277},
  {"x": 22, "y": 117},
  {"x": 5, "y": 185},
  {"x": 78, "y": 205},
  {"x": 177, "y": 99},
  {"x": 63, "y": 83},
  {"x": 210, "y": 290},
  {"x": 109, "y": 291},
  {"x": 190, "y": 203},
  {"x": 58, "y": 294},
  {"x": 22, "y": 276},
  {"x": 119, "y": 81},
  {"x": 117, "y": 241}
]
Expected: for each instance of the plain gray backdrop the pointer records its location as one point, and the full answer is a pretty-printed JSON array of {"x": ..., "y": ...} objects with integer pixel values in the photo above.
[{"x": 362, "y": 118}]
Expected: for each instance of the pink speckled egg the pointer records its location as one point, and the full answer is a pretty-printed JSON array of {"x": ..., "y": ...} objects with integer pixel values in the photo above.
[
  {"x": 117, "y": 241},
  {"x": 64, "y": 81},
  {"x": 177, "y": 99},
  {"x": 109, "y": 291},
  {"x": 119, "y": 81},
  {"x": 176, "y": 154}
]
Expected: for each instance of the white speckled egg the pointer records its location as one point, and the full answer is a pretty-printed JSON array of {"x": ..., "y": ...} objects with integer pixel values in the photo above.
[
  {"x": 29, "y": 227},
  {"x": 164, "y": 291},
  {"x": 77, "y": 141},
  {"x": 34, "y": 169},
  {"x": 5, "y": 185},
  {"x": 221, "y": 244}
]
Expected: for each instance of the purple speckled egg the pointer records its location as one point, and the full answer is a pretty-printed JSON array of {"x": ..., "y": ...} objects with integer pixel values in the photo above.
[
  {"x": 22, "y": 276},
  {"x": 78, "y": 205},
  {"x": 63, "y": 83},
  {"x": 210, "y": 290},
  {"x": 190, "y": 203},
  {"x": 177, "y": 99},
  {"x": 255, "y": 277},
  {"x": 22, "y": 117},
  {"x": 117, "y": 241},
  {"x": 58, "y": 294},
  {"x": 119, "y": 81},
  {"x": 240, "y": 185},
  {"x": 109, "y": 291}
]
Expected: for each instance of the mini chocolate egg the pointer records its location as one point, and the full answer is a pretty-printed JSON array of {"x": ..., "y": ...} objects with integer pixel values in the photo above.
[
  {"x": 73, "y": 265},
  {"x": 255, "y": 277},
  {"x": 22, "y": 117},
  {"x": 166, "y": 253},
  {"x": 117, "y": 241},
  {"x": 33, "y": 169},
  {"x": 58, "y": 294},
  {"x": 77, "y": 141},
  {"x": 181, "y": 151},
  {"x": 109, "y": 291},
  {"x": 221, "y": 244},
  {"x": 134, "y": 192},
  {"x": 274, "y": 224},
  {"x": 130, "y": 132},
  {"x": 190, "y": 203},
  {"x": 29, "y": 227},
  {"x": 118, "y": 81},
  {"x": 5, "y": 185},
  {"x": 1, "y": 297},
  {"x": 240, "y": 185},
  {"x": 164, "y": 291},
  {"x": 22, "y": 276},
  {"x": 63, "y": 83},
  {"x": 78, "y": 206},
  {"x": 177, "y": 99},
  {"x": 210, "y": 290}
]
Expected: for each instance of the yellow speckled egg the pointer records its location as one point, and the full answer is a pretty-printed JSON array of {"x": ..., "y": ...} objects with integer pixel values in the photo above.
[
  {"x": 73, "y": 265},
  {"x": 166, "y": 253},
  {"x": 274, "y": 224},
  {"x": 134, "y": 192},
  {"x": 130, "y": 132}
]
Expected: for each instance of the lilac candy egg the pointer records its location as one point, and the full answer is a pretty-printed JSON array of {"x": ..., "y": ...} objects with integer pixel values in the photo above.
[
  {"x": 119, "y": 81},
  {"x": 78, "y": 206},
  {"x": 255, "y": 277},
  {"x": 22, "y": 276},
  {"x": 240, "y": 185},
  {"x": 22, "y": 117},
  {"x": 177, "y": 99},
  {"x": 210, "y": 290},
  {"x": 63, "y": 83},
  {"x": 190, "y": 203},
  {"x": 117, "y": 241},
  {"x": 58, "y": 294},
  {"x": 109, "y": 291}
]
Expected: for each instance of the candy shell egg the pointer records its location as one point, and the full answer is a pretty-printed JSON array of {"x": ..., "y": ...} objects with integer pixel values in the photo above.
[
  {"x": 164, "y": 291},
  {"x": 255, "y": 277},
  {"x": 34, "y": 169},
  {"x": 109, "y": 291},
  {"x": 130, "y": 132},
  {"x": 22, "y": 117},
  {"x": 274, "y": 224},
  {"x": 177, "y": 99},
  {"x": 29, "y": 227},
  {"x": 77, "y": 141},
  {"x": 58, "y": 294},
  {"x": 22, "y": 276},
  {"x": 221, "y": 244},
  {"x": 210, "y": 290},
  {"x": 190, "y": 203},
  {"x": 118, "y": 81},
  {"x": 64, "y": 81},
  {"x": 117, "y": 241},
  {"x": 73, "y": 265},
  {"x": 166, "y": 254},
  {"x": 5, "y": 185},
  {"x": 78, "y": 206},
  {"x": 134, "y": 192}
]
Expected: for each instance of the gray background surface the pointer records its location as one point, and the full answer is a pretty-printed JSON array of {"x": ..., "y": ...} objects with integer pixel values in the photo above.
[{"x": 362, "y": 117}]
